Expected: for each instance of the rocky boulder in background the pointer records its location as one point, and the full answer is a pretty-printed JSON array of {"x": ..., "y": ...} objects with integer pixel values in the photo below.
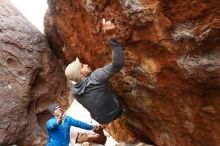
[
  {"x": 31, "y": 78},
  {"x": 171, "y": 79}
]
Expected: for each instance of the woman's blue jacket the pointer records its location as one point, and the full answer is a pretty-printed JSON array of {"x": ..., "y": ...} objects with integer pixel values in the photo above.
[{"x": 59, "y": 134}]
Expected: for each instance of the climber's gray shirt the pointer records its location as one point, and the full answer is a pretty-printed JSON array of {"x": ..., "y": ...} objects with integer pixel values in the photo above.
[{"x": 94, "y": 93}]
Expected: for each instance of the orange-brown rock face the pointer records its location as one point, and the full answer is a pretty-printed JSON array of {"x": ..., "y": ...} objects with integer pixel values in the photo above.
[
  {"x": 31, "y": 78},
  {"x": 171, "y": 79}
]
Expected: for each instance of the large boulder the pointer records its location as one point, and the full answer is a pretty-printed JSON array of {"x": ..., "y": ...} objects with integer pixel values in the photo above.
[
  {"x": 171, "y": 81},
  {"x": 31, "y": 78}
]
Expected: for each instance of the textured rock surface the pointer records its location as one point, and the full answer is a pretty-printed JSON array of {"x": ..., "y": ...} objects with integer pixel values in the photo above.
[
  {"x": 172, "y": 76},
  {"x": 31, "y": 77}
]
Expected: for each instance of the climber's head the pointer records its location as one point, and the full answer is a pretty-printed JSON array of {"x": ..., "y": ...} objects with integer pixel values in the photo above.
[{"x": 76, "y": 71}]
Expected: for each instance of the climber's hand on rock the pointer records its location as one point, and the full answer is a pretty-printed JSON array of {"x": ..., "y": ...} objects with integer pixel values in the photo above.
[{"x": 107, "y": 25}]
